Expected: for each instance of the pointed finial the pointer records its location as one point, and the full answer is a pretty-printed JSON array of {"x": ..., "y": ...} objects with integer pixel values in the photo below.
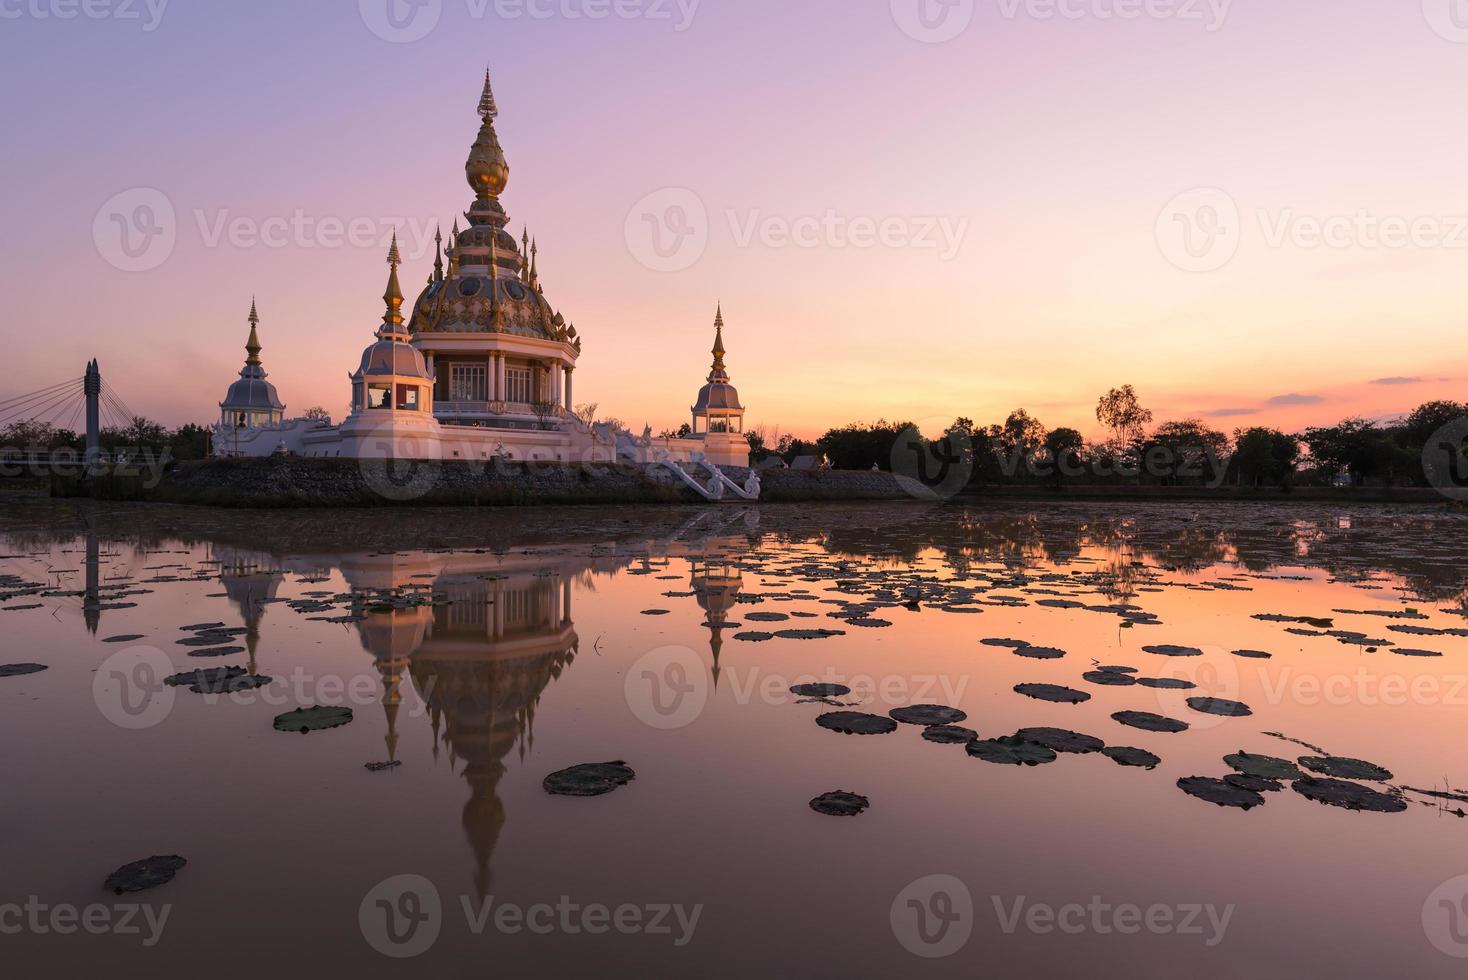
[
  {"x": 534, "y": 271},
  {"x": 487, "y": 108},
  {"x": 392, "y": 319},
  {"x": 252, "y": 346},
  {"x": 437, "y": 255},
  {"x": 719, "y": 373}
]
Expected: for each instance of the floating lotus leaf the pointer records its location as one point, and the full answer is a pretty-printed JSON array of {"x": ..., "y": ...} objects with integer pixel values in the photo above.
[
  {"x": 1342, "y": 768},
  {"x": 1109, "y": 678},
  {"x": 1253, "y": 654},
  {"x": 313, "y": 719},
  {"x": 1147, "y": 721},
  {"x": 1061, "y": 740},
  {"x": 589, "y": 779},
  {"x": 928, "y": 714},
  {"x": 150, "y": 872},
  {"x": 1263, "y": 766},
  {"x": 820, "y": 690},
  {"x": 1011, "y": 751},
  {"x": 1257, "y": 784},
  {"x": 17, "y": 670},
  {"x": 856, "y": 723},
  {"x": 1166, "y": 683},
  {"x": 1220, "y": 706},
  {"x": 1172, "y": 650},
  {"x": 1220, "y": 791},
  {"x": 1055, "y": 693},
  {"x": 1039, "y": 653},
  {"x": 1125, "y": 755},
  {"x": 1350, "y": 796},
  {"x": 949, "y": 734},
  {"x": 840, "y": 804}
]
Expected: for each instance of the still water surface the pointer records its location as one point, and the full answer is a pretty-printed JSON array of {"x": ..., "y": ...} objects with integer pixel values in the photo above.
[{"x": 484, "y": 651}]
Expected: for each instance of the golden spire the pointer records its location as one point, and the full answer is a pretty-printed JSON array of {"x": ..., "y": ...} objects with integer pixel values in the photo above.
[
  {"x": 534, "y": 273},
  {"x": 252, "y": 346},
  {"x": 392, "y": 320},
  {"x": 454, "y": 251},
  {"x": 486, "y": 169},
  {"x": 719, "y": 343},
  {"x": 438, "y": 254}
]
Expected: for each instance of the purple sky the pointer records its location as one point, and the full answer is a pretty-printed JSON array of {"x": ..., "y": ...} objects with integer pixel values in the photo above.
[{"x": 1019, "y": 184}]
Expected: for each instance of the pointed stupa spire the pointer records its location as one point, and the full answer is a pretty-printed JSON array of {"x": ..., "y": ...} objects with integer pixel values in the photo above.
[
  {"x": 392, "y": 319},
  {"x": 252, "y": 346},
  {"x": 719, "y": 373},
  {"x": 438, "y": 254},
  {"x": 487, "y": 108},
  {"x": 534, "y": 271},
  {"x": 486, "y": 169}
]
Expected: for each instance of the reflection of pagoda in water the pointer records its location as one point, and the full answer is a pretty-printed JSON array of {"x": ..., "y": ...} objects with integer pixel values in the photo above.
[
  {"x": 480, "y": 662},
  {"x": 715, "y": 582},
  {"x": 250, "y": 586}
]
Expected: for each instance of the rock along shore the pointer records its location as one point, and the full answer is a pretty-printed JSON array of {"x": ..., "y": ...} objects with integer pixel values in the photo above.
[{"x": 296, "y": 482}]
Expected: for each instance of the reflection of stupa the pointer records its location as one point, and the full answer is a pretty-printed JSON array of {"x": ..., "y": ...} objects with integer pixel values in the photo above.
[
  {"x": 715, "y": 583},
  {"x": 480, "y": 663},
  {"x": 250, "y": 586}
]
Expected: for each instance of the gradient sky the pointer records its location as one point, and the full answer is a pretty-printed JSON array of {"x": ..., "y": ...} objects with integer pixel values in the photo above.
[{"x": 1056, "y": 143}]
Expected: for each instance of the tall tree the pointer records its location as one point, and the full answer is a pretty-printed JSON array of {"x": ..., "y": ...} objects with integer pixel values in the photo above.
[{"x": 1121, "y": 411}]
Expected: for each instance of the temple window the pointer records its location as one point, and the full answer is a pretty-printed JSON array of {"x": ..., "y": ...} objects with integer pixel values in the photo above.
[
  {"x": 379, "y": 396},
  {"x": 467, "y": 383},
  {"x": 408, "y": 398},
  {"x": 518, "y": 387}
]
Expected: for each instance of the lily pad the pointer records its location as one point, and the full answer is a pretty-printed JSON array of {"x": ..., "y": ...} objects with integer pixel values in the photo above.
[
  {"x": 1001, "y": 642},
  {"x": 1061, "y": 740},
  {"x": 1166, "y": 683},
  {"x": 1407, "y": 652},
  {"x": 949, "y": 734},
  {"x": 856, "y": 723},
  {"x": 1257, "y": 784},
  {"x": 1220, "y": 706},
  {"x": 1039, "y": 653},
  {"x": 1125, "y": 755},
  {"x": 1263, "y": 766},
  {"x": 18, "y": 670},
  {"x": 1147, "y": 721},
  {"x": 1343, "y": 768},
  {"x": 1054, "y": 693},
  {"x": 1253, "y": 654},
  {"x": 381, "y": 766},
  {"x": 840, "y": 804},
  {"x": 1011, "y": 751},
  {"x": 1173, "y": 650},
  {"x": 1109, "y": 678},
  {"x": 928, "y": 714},
  {"x": 314, "y": 719},
  {"x": 150, "y": 872},
  {"x": 816, "y": 634},
  {"x": 820, "y": 690},
  {"x": 1220, "y": 791},
  {"x": 589, "y": 779},
  {"x": 1350, "y": 796},
  {"x": 123, "y": 638},
  {"x": 754, "y": 636}
]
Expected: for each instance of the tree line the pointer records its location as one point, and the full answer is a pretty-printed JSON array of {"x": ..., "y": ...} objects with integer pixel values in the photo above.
[{"x": 1022, "y": 450}]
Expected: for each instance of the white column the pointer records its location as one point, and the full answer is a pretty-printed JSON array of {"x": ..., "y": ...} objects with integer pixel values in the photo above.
[{"x": 570, "y": 401}]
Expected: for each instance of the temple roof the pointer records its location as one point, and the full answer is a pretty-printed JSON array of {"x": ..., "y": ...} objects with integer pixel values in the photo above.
[
  {"x": 492, "y": 284},
  {"x": 252, "y": 392},
  {"x": 718, "y": 395}
]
